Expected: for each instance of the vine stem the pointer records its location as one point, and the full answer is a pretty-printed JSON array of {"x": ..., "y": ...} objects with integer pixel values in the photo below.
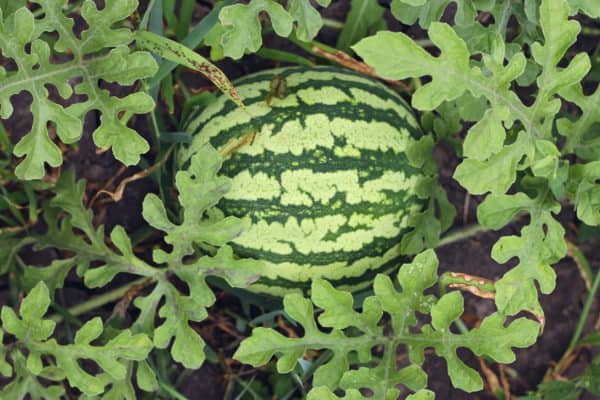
[
  {"x": 586, "y": 310},
  {"x": 115, "y": 294},
  {"x": 456, "y": 235},
  {"x": 99, "y": 300},
  {"x": 332, "y": 23},
  {"x": 171, "y": 390},
  {"x": 563, "y": 363}
]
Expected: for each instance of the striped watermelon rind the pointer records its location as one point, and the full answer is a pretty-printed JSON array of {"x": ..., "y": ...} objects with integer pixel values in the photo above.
[{"x": 325, "y": 178}]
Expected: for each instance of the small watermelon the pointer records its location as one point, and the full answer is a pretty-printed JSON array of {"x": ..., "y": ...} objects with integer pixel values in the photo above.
[{"x": 318, "y": 163}]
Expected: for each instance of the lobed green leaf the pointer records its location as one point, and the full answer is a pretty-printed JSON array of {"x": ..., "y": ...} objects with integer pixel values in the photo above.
[
  {"x": 101, "y": 53},
  {"x": 240, "y": 29},
  {"x": 508, "y": 136},
  {"x": 353, "y": 335},
  {"x": 33, "y": 332}
]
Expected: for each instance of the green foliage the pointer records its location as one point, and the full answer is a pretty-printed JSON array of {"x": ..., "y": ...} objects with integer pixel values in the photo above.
[
  {"x": 198, "y": 228},
  {"x": 527, "y": 154},
  {"x": 101, "y": 53},
  {"x": 579, "y": 133},
  {"x": 240, "y": 30},
  {"x": 176, "y": 52},
  {"x": 573, "y": 389},
  {"x": 364, "y": 18},
  {"x": 477, "y": 36},
  {"x": 352, "y": 332},
  {"x": 509, "y": 136},
  {"x": 10, "y": 6},
  {"x": 589, "y": 7},
  {"x": 427, "y": 225},
  {"x": 32, "y": 332},
  {"x": 63, "y": 233}
]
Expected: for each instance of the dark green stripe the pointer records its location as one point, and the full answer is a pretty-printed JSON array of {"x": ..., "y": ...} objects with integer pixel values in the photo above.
[
  {"x": 371, "y": 164},
  {"x": 365, "y": 112},
  {"x": 368, "y": 276},
  {"x": 271, "y": 211},
  {"x": 377, "y": 247},
  {"x": 279, "y": 116}
]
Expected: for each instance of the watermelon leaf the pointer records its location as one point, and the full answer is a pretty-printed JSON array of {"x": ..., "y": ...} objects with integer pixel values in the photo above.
[
  {"x": 589, "y": 7},
  {"x": 464, "y": 77},
  {"x": 424, "y": 11},
  {"x": 323, "y": 392},
  {"x": 584, "y": 191},
  {"x": 33, "y": 331},
  {"x": 100, "y": 54},
  {"x": 10, "y": 6},
  {"x": 477, "y": 36},
  {"x": 240, "y": 28},
  {"x": 196, "y": 228},
  {"x": 71, "y": 228},
  {"x": 493, "y": 338},
  {"x": 540, "y": 245},
  {"x": 243, "y": 29},
  {"x": 494, "y": 151},
  {"x": 426, "y": 225},
  {"x": 580, "y": 133},
  {"x": 66, "y": 216},
  {"x": 177, "y": 52}
]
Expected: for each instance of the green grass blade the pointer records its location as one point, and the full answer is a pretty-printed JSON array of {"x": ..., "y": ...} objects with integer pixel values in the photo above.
[
  {"x": 192, "y": 40},
  {"x": 169, "y": 12},
  {"x": 186, "y": 9},
  {"x": 284, "y": 56},
  {"x": 154, "y": 8}
]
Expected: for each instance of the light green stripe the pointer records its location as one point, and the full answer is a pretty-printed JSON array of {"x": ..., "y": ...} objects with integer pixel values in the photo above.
[
  {"x": 319, "y": 131},
  {"x": 308, "y": 188},
  {"x": 334, "y": 271},
  {"x": 322, "y": 95},
  {"x": 310, "y": 236},
  {"x": 254, "y": 187},
  {"x": 292, "y": 137}
]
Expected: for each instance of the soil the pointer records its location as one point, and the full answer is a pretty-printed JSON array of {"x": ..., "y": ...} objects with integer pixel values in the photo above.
[{"x": 472, "y": 256}]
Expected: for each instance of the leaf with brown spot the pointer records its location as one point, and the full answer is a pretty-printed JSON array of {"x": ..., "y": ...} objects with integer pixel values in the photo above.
[{"x": 177, "y": 52}]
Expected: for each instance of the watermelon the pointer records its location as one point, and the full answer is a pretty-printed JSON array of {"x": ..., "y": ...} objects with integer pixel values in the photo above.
[{"x": 318, "y": 163}]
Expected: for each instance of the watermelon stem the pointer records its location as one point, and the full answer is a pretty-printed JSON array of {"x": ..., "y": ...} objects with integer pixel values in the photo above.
[{"x": 465, "y": 232}]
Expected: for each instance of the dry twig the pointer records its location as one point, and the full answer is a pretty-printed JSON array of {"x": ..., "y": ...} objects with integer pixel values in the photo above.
[{"x": 347, "y": 61}]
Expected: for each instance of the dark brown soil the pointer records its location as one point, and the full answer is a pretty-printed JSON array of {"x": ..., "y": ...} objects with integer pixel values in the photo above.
[{"x": 472, "y": 256}]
